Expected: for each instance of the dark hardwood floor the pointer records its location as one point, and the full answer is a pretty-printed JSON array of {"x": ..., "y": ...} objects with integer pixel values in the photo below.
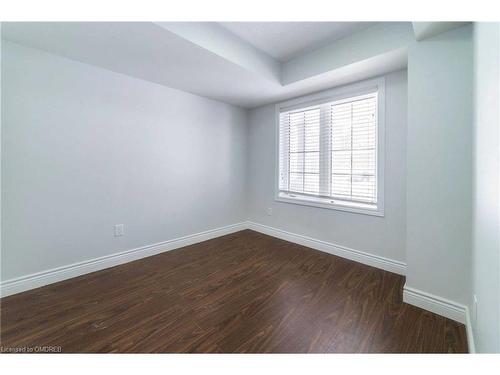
[{"x": 244, "y": 292}]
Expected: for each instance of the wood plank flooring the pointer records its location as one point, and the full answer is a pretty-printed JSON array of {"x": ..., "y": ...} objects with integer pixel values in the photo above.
[{"x": 242, "y": 293}]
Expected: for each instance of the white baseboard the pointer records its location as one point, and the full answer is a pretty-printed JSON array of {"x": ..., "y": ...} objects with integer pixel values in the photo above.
[
  {"x": 470, "y": 332},
  {"x": 441, "y": 306},
  {"x": 390, "y": 265},
  {"x": 427, "y": 301},
  {"x": 435, "y": 304},
  {"x": 54, "y": 275},
  {"x": 36, "y": 280}
]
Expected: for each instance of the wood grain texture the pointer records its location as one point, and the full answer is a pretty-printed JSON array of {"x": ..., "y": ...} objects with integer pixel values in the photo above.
[{"x": 242, "y": 293}]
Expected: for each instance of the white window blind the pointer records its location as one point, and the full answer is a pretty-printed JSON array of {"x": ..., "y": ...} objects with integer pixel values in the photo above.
[{"x": 328, "y": 152}]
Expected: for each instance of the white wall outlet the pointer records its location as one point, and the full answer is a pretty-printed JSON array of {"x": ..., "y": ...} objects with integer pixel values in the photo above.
[
  {"x": 119, "y": 230},
  {"x": 269, "y": 211}
]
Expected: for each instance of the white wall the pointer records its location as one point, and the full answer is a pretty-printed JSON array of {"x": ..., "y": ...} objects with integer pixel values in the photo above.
[
  {"x": 383, "y": 236},
  {"x": 84, "y": 148},
  {"x": 439, "y": 155},
  {"x": 486, "y": 188}
]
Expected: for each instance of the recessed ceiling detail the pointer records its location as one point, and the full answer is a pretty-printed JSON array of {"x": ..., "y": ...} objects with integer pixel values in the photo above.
[
  {"x": 245, "y": 64},
  {"x": 286, "y": 40}
]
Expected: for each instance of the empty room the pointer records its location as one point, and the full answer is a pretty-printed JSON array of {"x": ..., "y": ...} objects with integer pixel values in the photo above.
[{"x": 250, "y": 187}]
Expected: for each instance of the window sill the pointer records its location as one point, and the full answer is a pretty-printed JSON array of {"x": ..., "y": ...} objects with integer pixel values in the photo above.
[{"x": 315, "y": 202}]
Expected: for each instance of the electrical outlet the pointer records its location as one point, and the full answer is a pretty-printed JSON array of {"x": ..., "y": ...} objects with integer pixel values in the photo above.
[
  {"x": 119, "y": 230},
  {"x": 269, "y": 211}
]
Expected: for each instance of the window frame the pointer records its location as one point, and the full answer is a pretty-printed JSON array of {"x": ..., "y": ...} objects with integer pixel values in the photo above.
[{"x": 338, "y": 93}]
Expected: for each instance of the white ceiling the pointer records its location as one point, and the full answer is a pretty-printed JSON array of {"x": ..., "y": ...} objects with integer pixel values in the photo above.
[
  {"x": 286, "y": 40},
  {"x": 206, "y": 59}
]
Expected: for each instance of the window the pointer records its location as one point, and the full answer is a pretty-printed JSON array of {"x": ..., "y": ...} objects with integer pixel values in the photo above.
[{"x": 331, "y": 149}]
